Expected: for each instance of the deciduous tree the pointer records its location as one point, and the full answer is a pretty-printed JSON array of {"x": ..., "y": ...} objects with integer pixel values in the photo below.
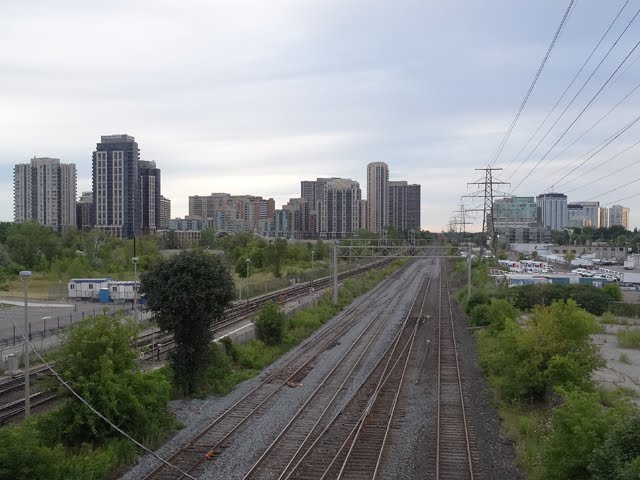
[{"x": 188, "y": 293}]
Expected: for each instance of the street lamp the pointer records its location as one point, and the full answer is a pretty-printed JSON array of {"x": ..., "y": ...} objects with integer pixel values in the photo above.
[
  {"x": 248, "y": 264},
  {"x": 135, "y": 288},
  {"x": 24, "y": 276},
  {"x": 313, "y": 252}
]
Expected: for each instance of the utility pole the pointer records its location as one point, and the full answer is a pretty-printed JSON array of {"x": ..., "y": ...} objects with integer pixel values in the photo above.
[{"x": 487, "y": 193}]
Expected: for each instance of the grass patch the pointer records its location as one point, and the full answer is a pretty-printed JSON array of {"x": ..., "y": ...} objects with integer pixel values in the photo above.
[
  {"x": 610, "y": 319},
  {"x": 629, "y": 338},
  {"x": 527, "y": 427},
  {"x": 624, "y": 358}
]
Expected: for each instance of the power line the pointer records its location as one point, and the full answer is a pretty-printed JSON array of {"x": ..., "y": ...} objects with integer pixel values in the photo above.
[
  {"x": 605, "y": 145},
  {"x": 533, "y": 84},
  {"x": 580, "y": 114},
  {"x": 575, "y": 77},
  {"x": 617, "y": 188},
  {"x": 623, "y": 199},
  {"x": 604, "y": 163},
  {"x": 593, "y": 126},
  {"x": 573, "y": 99}
]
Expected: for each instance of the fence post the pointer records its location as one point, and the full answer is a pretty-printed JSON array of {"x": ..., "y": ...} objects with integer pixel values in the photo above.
[
  {"x": 44, "y": 329},
  {"x": 30, "y": 331},
  {"x": 14, "y": 335}
]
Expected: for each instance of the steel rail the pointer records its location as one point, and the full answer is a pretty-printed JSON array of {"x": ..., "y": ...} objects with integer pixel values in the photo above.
[
  {"x": 296, "y": 463},
  {"x": 325, "y": 387}
]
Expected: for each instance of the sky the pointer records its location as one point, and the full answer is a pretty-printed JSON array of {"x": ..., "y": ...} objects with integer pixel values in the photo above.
[{"x": 251, "y": 97}]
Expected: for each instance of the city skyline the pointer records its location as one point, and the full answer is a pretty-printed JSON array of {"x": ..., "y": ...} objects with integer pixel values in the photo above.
[{"x": 249, "y": 98}]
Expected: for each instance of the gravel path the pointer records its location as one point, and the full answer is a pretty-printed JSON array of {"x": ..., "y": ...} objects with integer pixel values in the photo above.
[{"x": 410, "y": 452}]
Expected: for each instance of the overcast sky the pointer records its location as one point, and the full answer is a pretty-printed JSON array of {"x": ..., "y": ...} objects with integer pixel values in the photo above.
[{"x": 250, "y": 97}]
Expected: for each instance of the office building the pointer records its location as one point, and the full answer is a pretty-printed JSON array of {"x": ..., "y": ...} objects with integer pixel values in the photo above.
[
  {"x": 45, "y": 190},
  {"x": 378, "y": 196},
  {"x": 116, "y": 192},
  {"x": 553, "y": 211},
  {"x": 585, "y": 214},
  {"x": 515, "y": 220},
  {"x": 619, "y": 215},
  {"x": 404, "y": 206}
]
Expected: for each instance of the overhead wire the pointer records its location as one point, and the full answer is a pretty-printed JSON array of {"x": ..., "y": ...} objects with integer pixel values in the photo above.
[
  {"x": 88, "y": 405},
  {"x": 575, "y": 77},
  {"x": 533, "y": 84},
  {"x": 635, "y": 162},
  {"x": 598, "y": 149},
  {"x": 616, "y": 188},
  {"x": 593, "y": 98},
  {"x": 585, "y": 83},
  {"x": 581, "y": 136}
]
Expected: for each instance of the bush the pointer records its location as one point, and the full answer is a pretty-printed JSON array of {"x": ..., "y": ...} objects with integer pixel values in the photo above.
[
  {"x": 618, "y": 457},
  {"x": 24, "y": 457},
  {"x": 554, "y": 350},
  {"x": 579, "y": 426},
  {"x": 269, "y": 324},
  {"x": 614, "y": 291},
  {"x": 478, "y": 297},
  {"x": 480, "y": 315}
]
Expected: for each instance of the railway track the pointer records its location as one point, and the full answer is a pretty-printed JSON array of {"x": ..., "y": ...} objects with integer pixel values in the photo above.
[
  {"x": 456, "y": 454},
  {"x": 161, "y": 343},
  {"x": 324, "y": 403},
  {"x": 352, "y": 444},
  {"x": 218, "y": 434}
]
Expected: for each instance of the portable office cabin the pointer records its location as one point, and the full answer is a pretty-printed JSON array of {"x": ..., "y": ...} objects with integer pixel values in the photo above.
[
  {"x": 86, "y": 288},
  {"x": 123, "y": 290}
]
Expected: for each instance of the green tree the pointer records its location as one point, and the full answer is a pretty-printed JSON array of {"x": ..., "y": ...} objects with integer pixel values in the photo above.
[
  {"x": 99, "y": 363},
  {"x": 188, "y": 293},
  {"x": 269, "y": 324},
  {"x": 569, "y": 256},
  {"x": 33, "y": 245},
  {"x": 208, "y": 238},
  {"x": 275, "y": 255}
]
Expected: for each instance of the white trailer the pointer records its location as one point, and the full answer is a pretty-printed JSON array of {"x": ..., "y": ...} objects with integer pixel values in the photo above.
[
  {"x": 123, "y": 290},
  {"x": 86, "y": 288},
  {"x": 628, "y": 277}
]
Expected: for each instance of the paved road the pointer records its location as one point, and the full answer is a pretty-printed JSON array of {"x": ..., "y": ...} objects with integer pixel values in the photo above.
[{"x": 45, "y": 316}]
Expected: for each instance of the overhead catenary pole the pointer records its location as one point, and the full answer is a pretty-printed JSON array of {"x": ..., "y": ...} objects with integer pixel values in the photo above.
[
  {"x": 24, "y": 276},
  {"x": 469, "y": 272},
  {"x": 335, "y": 272}
]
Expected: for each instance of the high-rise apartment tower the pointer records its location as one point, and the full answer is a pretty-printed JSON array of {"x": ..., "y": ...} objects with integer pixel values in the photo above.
[
  {"x": 45, "y": 190},
  {"x": 116, "y": 191},
  {"x": 378, "y": 196}
]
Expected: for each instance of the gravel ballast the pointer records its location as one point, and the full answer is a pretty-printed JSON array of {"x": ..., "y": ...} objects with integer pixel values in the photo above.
[{"x": 411, "y": 448}]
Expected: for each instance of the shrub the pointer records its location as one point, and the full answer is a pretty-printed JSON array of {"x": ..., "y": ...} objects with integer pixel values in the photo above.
[
  {"x": 614, "y": 291},
  {"x": 269, "y": 324},
  {"x": 618, "y": 457},
  {"x": 480, "y": 315}
]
